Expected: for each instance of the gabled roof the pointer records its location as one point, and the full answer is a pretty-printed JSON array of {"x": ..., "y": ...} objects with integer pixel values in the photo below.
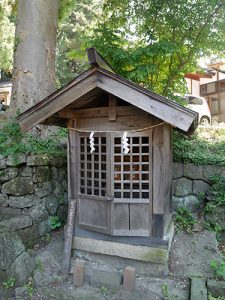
[{"x": 99, "y": 79}]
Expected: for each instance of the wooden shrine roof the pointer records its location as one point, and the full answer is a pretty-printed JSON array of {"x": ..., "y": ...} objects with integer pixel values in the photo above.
[{"x": 102, "y": 78}]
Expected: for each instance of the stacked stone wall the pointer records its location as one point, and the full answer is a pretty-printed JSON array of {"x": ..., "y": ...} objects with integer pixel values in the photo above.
[
  {"x": 32, "y": 188},
  {"x": 190, "y": 183}
]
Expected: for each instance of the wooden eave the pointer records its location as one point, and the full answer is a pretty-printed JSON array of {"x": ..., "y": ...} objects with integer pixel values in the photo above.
[{"x": 101, "y": 79}]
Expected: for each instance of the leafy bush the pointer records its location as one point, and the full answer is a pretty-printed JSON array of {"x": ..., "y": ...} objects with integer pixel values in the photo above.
[
  {"x": 219, "y": 268},
  {"x": 203, "y": 148},
  {"x": 184, "y": 220},
  {"x": 13, "y": 141},
  {"x": 55, "y": 222}
]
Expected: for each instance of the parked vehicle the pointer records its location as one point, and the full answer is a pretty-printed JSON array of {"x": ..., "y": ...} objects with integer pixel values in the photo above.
[{"x": 199, "y": 105}]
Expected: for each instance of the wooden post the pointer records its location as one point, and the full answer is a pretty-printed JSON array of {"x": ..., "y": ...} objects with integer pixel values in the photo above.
[
  {"x": 68, "y": 237},
  {"x": 71, "y": 203},
  {"x": 112, "y": 108},
  {"x": 129, "y": 278},
  {"x": 79, "y": 273}
]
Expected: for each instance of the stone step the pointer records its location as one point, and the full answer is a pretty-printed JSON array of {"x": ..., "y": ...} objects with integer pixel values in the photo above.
[{"x": 198, "y": 289}]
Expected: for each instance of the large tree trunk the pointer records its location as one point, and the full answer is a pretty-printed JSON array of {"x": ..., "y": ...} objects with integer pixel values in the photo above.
[{"x": 34, "y": 60}]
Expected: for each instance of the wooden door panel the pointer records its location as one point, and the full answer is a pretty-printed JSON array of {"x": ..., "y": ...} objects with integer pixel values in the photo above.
[
  {"x": 121, "y": 216},
  {"x": 132, "y": 185},
  {"x": 94, "y": 214},
  {"x": 139, "y": 217},
  {"x": 94, "y": 211}
]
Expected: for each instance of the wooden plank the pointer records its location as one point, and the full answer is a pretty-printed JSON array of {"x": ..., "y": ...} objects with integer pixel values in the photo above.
[
  {"x": 67, "y": 114},
  {"x": 95, "y": 59},
  {"x": 173, "y": 114},
  {"x": 104, "y": 112},
  {"x": 112, "y": 108},
  {"x": 122, "y": 200},
  {"x": 121, "y": 124}
]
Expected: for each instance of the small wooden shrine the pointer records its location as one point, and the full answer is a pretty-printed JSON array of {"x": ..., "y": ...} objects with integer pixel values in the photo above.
[{"x": 119, "y": 156}]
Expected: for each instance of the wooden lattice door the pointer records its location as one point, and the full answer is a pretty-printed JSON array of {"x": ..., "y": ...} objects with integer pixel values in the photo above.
[
  {"x": 115, "y": 189},
  {"x": 94, "y": 202},
  {"x": 131, "y": 213}
]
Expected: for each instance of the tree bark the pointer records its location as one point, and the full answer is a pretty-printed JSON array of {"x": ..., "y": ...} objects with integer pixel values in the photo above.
[{"x": 34, "y": 57}]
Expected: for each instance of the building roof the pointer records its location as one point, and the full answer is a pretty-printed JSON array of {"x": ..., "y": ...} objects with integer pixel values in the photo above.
[{"x": 101, "y": 78}]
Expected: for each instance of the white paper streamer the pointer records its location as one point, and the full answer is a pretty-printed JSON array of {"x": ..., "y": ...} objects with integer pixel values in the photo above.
[
  {"x": 92, "y": 142},
  {"x": 125, "y": 144}
]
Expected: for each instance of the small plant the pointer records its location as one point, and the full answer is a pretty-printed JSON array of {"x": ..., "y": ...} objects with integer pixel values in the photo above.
[
  {"x": 104, "y": 290},
  {"x": 9, "y": 283},
  {"x": 46, "y": 238},
  {"x": 29, "y": 287},
  {"x": 219, "y": 268},
  {"x": 166, "y": 294},
  {"x": 55, "y": 222},
  {"x": 39, "y": 264},
  {"x": 184, "y": 220}
]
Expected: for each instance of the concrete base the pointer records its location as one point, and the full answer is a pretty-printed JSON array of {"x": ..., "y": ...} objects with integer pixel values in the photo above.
[{"x": 148, "y": 260}]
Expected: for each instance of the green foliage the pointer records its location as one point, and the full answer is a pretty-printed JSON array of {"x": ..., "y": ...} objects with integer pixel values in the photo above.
[
  {"x": 104, "y": 290},
  {"x": 7, "y": 28},
  {"x": 217, "y": 188},
  {"x": 40, "y": 266},
  {"x": 184, "y": 220},
  {"x": 77, "y": 20},
  {"x": 13, "y": 141},
  {"x": 166, "y": 294},
  {"x": 55, "y": 222},
  {"x": 199, "y": 150},
  {"x": 46, "y": 238},
  {"x": 210, "y": 297},
  {"x": 30, "y": 288},
  {"x": 219, "y": 268},
  {"x": 9, "y": 283},
  {"x": 143, "y": 42},
  {"x": 218, "y": 191}
]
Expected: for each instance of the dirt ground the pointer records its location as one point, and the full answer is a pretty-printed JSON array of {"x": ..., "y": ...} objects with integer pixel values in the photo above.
[{"x": 190, "y": 255}]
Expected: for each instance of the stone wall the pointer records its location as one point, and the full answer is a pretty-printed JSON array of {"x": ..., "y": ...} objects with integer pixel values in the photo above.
[
  {"x": 32, "y": 188},
  {"x": 190, "y": 181}
]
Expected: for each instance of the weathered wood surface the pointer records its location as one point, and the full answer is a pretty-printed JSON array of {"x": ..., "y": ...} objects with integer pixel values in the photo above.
[
  {"x": 159, "y": 180},
  {"x": 166, "y": 111},
  {"x": 112, "y": 108},
  {"x": 68, "y": 236},
  {"x": 87, "y": 82},
  {"x": 95, "y": 59},
  {"x": 104, "y": 112},
  {"x": 72, "y": 201},
  {"x": 58, "y": 100},
  {"x": 122, "y": 123}
]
